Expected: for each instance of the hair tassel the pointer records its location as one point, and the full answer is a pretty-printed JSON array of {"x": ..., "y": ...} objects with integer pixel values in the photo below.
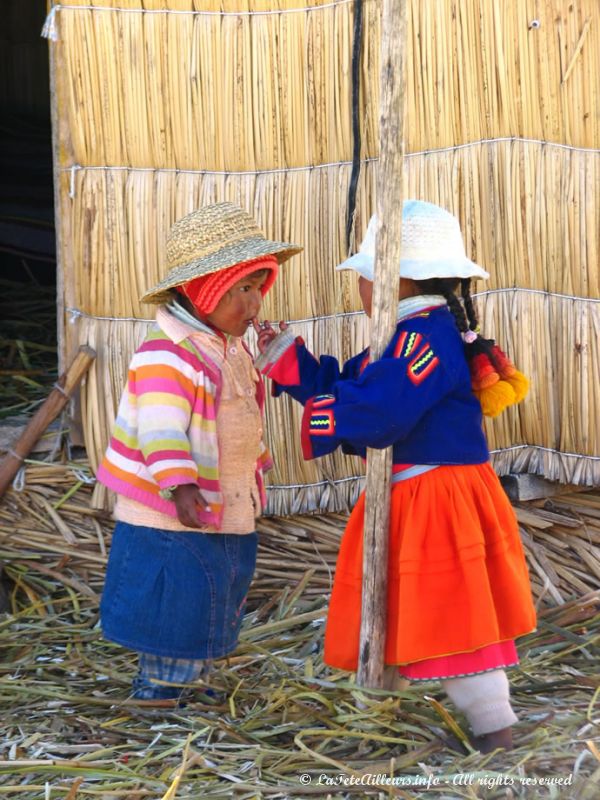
[
  {"x": 483, "y": 372},
  {"x": 495, "y": 398},
  {"x": 495, "y": 380},
  {"x": 519, "y": 383},
  {"x": 510, "y": 373}
]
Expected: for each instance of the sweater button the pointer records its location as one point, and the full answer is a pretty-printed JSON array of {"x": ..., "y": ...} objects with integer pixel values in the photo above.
[{"x": 233, "y": 350}]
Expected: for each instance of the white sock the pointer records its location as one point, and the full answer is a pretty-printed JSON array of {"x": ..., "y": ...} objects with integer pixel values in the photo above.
[{"x": 484, "y": 699}]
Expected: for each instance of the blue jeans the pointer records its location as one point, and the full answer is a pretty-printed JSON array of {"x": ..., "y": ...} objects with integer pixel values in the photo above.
[{"x": 180, "y": 595}]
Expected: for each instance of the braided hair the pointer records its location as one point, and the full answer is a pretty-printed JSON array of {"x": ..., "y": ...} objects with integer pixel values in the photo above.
[{"x": 494, "y": 378}]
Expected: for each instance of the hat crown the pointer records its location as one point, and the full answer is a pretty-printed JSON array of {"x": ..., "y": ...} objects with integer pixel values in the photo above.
[
  {"x": 207, "y": 230},
  {"x": 430, "y": 233},
  {"x": 432, "y": 246},
  {"x": 211, "y": 239}
]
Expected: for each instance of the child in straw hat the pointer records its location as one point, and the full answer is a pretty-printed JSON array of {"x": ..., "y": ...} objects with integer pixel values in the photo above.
[
  {"x": 458, "y": 587},
  {"x": 187, "y": 457}
]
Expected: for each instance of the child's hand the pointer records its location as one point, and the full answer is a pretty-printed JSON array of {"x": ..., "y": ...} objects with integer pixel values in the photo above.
[
  {"x": 186, "y": 498},
  {"x": 266, "y": 333}
]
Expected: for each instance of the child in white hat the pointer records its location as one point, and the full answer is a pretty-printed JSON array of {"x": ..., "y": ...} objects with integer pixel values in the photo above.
[
  {"x": 187, "y": 457},
  {"x": 458, "y": 586}
]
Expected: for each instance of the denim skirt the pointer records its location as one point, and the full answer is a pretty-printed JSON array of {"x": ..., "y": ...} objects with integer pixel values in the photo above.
[{"x": 176, "y": 594}]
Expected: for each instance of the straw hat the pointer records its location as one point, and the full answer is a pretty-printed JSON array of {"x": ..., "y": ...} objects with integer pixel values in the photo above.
[
  {"x": 210, "y": 239},
  {"x": 432, "y": 246}
]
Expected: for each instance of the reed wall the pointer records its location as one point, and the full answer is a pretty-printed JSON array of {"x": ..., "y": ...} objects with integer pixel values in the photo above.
[{"x": 165, "y": 106}]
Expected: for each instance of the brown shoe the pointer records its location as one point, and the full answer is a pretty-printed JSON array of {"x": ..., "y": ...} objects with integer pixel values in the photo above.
[{"x": 494, "y": 740}]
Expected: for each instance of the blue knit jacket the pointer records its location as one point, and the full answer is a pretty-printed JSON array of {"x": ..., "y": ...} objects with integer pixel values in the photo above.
[{"x": 417, "y": 397}]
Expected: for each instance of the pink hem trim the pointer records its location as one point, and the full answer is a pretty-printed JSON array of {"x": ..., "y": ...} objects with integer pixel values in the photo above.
[{"x": 484, "y": 659}]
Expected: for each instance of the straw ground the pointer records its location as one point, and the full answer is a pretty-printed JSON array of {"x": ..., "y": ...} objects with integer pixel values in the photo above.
[{"x": 279, "y": 724}]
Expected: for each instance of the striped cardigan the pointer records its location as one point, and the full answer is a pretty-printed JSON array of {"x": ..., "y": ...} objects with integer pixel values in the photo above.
[{"x": 165, "y": 433}]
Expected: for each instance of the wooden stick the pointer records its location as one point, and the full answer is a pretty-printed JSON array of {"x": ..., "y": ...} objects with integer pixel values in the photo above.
[
  {"x": 51, "y": 408},
  {"x": 383, "y": 323}
]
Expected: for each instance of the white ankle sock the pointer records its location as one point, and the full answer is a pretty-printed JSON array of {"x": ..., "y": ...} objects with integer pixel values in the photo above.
[{"x": 484, "y": 699}]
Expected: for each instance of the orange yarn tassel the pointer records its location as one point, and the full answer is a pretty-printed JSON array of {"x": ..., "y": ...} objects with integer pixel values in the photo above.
[
  {"x": 502, "y": 362},
  {"x": 494, "y": 399},
  {"x": 483, "y": 372},
  {"x": 496, "y": 382},
  {"x": 510, "y": 373},
  {"x": 520, "y": 385}
]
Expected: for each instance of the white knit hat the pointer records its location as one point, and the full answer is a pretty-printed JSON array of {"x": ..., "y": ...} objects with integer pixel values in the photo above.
[{"x": 432, "y": 246}]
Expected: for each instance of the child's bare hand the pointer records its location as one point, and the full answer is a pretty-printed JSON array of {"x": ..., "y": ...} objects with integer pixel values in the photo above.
[
  {"x": 266, "y": 333},
  {"x": 187, "y": 498}
]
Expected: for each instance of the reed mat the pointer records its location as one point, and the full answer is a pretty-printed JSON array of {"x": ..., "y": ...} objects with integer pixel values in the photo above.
[
  {"x": 280, "y": 724},
  {"x": 136, "y": 91}
]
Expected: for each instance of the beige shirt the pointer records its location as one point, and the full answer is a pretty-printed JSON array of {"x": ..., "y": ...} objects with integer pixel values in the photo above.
[{"x": 239, "y": 433}]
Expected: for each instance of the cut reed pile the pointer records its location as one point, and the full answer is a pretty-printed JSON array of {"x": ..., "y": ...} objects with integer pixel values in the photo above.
[
  {"x": 278, "y": 714},
  {"x": 49, "y": 525},
  {"x": 280, "y": 724}
]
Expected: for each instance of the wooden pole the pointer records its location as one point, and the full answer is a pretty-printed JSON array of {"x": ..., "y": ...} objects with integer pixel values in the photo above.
[
  {"x": 383, "y": 324},
  {"x": 51, "y": 408}
]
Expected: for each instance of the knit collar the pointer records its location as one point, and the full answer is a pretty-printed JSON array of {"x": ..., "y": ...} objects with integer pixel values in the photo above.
[
  {"x": 183, "y": 315},
  {"x": 413, "y": 305}
]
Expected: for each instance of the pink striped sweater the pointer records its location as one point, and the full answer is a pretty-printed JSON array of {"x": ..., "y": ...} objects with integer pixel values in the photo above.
[{"x": 165, "y": 433}]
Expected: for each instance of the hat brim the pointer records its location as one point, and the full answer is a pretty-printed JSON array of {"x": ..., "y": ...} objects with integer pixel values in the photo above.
[
  {"x": 443, "y": 268},
  {"x": 228, "y": 256},
  {"x": 417, "y": 270},
  {"x": 360, "y": 263}
]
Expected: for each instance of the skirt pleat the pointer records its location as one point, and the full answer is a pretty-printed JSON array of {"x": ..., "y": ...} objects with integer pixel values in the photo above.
[{"x": 457, "y": 576}]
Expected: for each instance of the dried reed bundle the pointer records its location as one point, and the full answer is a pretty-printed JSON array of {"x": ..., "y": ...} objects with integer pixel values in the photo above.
[
  {"x": 516, "y": 223},
  {"x": 555, "y": 341},
  {"x": 119, "y": 248},
  {"x": 474, "y": 73},
  {"x": 213, "y": 81}
]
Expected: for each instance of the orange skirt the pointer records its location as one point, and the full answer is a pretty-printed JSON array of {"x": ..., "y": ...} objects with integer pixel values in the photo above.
[{"x": 457, "y": 577}]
